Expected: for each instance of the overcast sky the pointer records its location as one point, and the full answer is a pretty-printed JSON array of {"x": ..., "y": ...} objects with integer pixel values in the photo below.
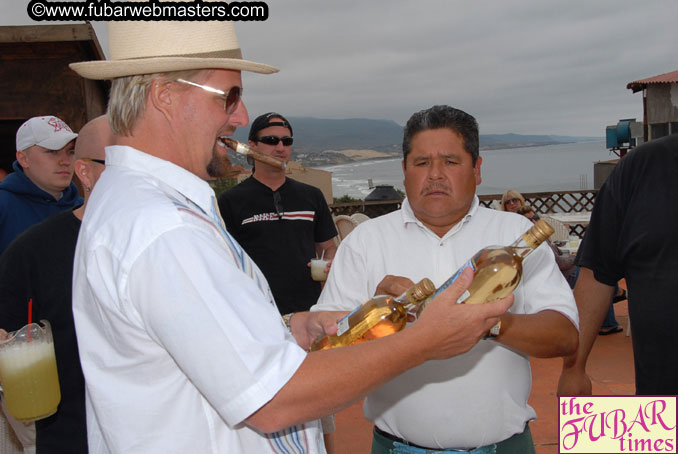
[{"x": 523, "y": 66}]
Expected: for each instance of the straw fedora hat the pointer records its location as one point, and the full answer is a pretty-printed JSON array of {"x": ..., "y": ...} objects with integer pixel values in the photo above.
[{"x": 141, "y": 47}]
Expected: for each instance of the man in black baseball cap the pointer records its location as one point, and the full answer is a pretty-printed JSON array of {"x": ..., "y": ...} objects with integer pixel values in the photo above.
[
  {"x": 266, "y": 120},
  {"x": 284, "y": 222}
]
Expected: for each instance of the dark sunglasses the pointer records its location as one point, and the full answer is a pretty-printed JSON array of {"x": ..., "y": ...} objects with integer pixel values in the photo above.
[
  {"x": 98, "y": 161},
  {"x": 513, "y": 200},
  {"x": 277, "y": 204},
  {"x": 273, "y": 140}
]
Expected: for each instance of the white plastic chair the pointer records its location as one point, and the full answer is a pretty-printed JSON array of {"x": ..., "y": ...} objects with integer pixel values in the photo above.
[
  {"x": 360, "y": 217},
  {"x": 345, "y": 225},
  {"x": 561, "y": 231}
]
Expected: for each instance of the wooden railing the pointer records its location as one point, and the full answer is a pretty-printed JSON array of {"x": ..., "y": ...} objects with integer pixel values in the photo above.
[
  {"x": 372, "y": 209},
  {"x": 541, "y": 202},
  {"x": 551, "y": 202}
]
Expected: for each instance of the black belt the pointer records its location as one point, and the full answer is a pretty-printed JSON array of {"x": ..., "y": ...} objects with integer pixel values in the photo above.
[{"x": 400, "y": 440}]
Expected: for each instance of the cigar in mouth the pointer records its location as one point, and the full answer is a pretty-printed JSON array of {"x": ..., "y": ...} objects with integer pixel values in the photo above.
[{"x": 243, "y": 149}]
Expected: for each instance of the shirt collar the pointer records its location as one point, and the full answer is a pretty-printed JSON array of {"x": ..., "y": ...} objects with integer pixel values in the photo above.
[
  {"x": 181, "y": 180},
  {"x": 408, "y": 216}
]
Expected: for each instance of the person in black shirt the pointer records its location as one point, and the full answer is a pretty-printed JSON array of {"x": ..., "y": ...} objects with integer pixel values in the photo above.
[
  {"x": 281, "y": 223},
  {"x": 38, "y": 265},
  {"x": 632, "y": 236}
]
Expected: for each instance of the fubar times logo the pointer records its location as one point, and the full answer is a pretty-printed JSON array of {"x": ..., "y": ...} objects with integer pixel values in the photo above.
[{"x": 617, "y": 424}]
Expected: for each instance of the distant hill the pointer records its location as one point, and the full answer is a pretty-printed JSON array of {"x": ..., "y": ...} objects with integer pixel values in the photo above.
[
  {"x": 314, "y": 136},
  {"x": 488, "y": 141}
]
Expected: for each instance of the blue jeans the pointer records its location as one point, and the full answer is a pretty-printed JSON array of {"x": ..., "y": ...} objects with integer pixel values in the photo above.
[{"x": 610, "y": 321}]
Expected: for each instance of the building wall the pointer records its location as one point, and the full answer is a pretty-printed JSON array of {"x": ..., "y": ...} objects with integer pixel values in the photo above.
[
  {"x": 662, "y": 103},
  {"x": 35, "y": 79},
  {"x": 662, "y": 110},
  {"x": 321, "y": 179},
  {"x": 602, "y": 170}
]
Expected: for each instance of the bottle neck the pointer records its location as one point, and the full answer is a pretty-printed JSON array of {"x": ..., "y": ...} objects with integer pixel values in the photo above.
[
  {"x": 521, "y": 247},
  {"x": 416, "y": 294},
  {"x": 402, "y": 299}
]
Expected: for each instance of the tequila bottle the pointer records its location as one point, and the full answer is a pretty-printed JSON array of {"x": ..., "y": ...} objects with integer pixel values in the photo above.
[
  {"x": 378, "y": 317},
  {"x": 497, "y": 271}
]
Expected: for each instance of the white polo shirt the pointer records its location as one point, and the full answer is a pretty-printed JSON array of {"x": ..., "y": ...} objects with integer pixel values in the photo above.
[
  {"x": 177, "y": 344},
  {"x": 471, "y": 400}
]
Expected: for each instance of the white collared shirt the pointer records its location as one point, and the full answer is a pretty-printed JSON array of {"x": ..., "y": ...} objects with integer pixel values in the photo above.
[
  {"x": 177, "y": 344},
  {"x": 471, "y": 400}
]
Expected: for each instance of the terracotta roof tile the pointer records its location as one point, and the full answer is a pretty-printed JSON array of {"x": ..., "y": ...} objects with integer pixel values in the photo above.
[{"x": 666, "y": 78}]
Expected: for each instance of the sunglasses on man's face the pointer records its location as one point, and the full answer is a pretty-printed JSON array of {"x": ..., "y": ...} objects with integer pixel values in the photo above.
[
  {"x": 274, "y": 140},
  {"x": 231, "y": 97},
  {"x": 98, "y": 161}
]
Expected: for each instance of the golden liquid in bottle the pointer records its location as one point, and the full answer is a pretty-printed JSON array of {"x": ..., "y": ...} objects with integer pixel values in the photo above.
[
  {"x": 376, "y": 318},
  {"x": 497, "y": 274}
]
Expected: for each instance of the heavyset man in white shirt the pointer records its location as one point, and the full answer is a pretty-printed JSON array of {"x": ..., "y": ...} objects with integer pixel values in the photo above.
[
  {"x": 478, "y": 399},
  {"x": 181, "y": 345}
]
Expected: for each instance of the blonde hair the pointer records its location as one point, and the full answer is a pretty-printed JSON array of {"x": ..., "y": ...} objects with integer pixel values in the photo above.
[
  {"x": 510, "y": 194},
  {"x": 127, "y": 101}
]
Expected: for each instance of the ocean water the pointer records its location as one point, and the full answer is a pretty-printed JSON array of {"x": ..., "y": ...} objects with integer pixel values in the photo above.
[{"x": 532, "y": 169}]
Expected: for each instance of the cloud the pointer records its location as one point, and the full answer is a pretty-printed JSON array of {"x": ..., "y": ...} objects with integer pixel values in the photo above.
[{"x": 524, "y": 66}]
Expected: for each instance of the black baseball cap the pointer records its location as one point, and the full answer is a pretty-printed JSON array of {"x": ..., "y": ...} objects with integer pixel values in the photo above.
[{"x": 264, "y": 121}]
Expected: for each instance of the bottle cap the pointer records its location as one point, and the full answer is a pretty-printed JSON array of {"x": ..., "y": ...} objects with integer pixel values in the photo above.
[
  {"x": 539, "y": 233},
  {"x": 421, "y": 289}
]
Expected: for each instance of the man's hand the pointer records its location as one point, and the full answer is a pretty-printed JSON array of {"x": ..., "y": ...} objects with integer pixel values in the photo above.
[
  {"x": 451, "y": 329},
  {"x": 574, "y": 382},
  {"x": 308, "y": 326},
  {"x": 328, "y": 265},
  {"x": 393, "y": 285},
  {"x": 593, "y": 301}
]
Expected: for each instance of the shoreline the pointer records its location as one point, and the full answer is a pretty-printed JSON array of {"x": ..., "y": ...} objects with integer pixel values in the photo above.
[
  {"x": 354, "y": 156},
  {"x": 556, "y": 167}
]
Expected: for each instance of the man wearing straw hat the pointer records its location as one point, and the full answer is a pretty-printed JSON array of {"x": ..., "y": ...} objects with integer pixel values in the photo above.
[{"x": 182, "y": 347}]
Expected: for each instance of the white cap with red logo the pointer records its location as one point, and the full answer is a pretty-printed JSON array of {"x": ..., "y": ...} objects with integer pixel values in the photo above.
[{"x": 48, "y": 132}]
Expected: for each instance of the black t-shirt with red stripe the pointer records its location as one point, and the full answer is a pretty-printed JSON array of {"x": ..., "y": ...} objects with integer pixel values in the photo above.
[{"x": 279, "y": 230}]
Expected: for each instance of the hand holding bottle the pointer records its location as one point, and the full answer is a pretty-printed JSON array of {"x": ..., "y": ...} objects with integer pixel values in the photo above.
[
  {"x": 497, "y": 271},
  {"x": 308, "y": 326},
  {"x": 393, "y": 285},
  {"x": 449, "y": 328}
]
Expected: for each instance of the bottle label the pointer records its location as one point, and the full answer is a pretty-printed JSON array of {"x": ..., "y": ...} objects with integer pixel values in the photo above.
[
  {"x": 450, "y": 281},
  {"x": 342, "y": 325}
]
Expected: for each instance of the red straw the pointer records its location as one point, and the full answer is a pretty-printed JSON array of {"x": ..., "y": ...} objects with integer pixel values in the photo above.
[{"x": 30, "y": 316}]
